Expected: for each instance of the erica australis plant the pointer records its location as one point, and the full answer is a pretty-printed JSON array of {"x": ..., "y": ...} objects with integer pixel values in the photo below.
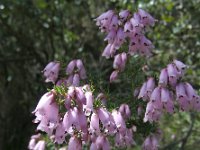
[
  {"x": 169, "y": 89},
  {"x": 71, "y": 111},
  {"x": 121, "y": 28},
  {"x": 73, "y": 116}
]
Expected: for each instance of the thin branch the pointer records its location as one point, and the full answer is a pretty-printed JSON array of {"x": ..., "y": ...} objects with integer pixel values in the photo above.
[{"x": 183, "y": 140}]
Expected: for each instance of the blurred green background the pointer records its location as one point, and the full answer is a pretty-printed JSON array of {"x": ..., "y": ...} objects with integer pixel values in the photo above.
[{"x": 34, "y": 32}]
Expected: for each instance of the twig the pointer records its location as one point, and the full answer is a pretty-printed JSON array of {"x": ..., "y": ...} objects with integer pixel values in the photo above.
[{"x": 183, "y": 140}]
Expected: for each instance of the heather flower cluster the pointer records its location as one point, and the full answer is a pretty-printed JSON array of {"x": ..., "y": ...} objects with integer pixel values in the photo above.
[
  {"x": 169, "y": 89},
  {"x": 124, "y": 27},
  {"x": 75, "y": 71},
  {"x": 73, "y": 112}
]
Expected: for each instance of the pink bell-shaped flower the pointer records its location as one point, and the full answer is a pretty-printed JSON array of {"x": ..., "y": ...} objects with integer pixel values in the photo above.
[
  {"x": 123, "y": 15},
  {"x": 163, "y": 78},
  {"x": 94, "y": 124},
  {"x": 146, "y": 18},
  {"x": 74, "y": 144},
  {"x": 51, "y": 71},
  {"x": 125, "y": 111},
  {"x": 40, "y": 145},
  {"x": 114, "y": 75},
  {"x": 60, "y": 134}
]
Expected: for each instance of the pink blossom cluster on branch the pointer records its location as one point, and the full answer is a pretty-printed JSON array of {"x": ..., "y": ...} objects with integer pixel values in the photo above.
[
  {"x": 77, "y": 114},
  {"x": 169, "y": 89},
  {"x": 121, "y": 27},
  {"x": 71, "y": 112},
  {"x": 75, "y": 71}
]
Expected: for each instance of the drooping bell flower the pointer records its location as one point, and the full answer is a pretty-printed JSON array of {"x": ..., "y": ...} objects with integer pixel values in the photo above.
[
  {"x": 163, "y": 78},
  {"x": 119, "y": 121},
  {"x": 93, "y": 146},
  {"x": 68, "y": 102},
  {"x": 143, "y": 91},
  {"x": 182, "y": 97},
  {"x": 117, "y": 61},
  {"x": 31, "y": 144},
  {"x": 102, "y": 97},
  {"x": 40, "y": 145},
  {"x": 152, "y": 141},
  {"x": 45, "y": 100},
  {"x": 114, "y": 75},
  {"x": 74, "y": 144},
  {"x": 62, "y": 82},
  {"x": 81, "y": 69},
  {"x": 140, "y": 45},
  {"x": 169, "y": 106},
  {"x": 51, "y": 71},
  {"x": 102, "y": 143},
  {"x": 77, "y": 94},
  {"x": 134, "y": 46},
  {"x": 33, "y": 141},
  {"x": 137, "y": 26},
  {"x": 165, "y": 95},
  {"x": 166, "y": 99},
  {"x": 173, "y": 74},
  {"x": 70, "y": 79},
  {"x": 120, "y": 38},
  {"x": 60, "y": 134},
  {"x": 82, "y": 121},
  {"x": 181, "y": 66},
  {"x": 89, "y": 103},
  {"x": 104, "y": 20},
  {"x": 75, "y": 118},
  {"x": 125, "y": 139},
  {"x": 103, "y": 115},
  {"x": 145, "y": 46},
  {"x": 76, "y": 80},
  {"x": 75, "y": 71},
  {"x": 70, "y": 67},
  {"x": 45, "y": 126},
  {"x": 146, "y": 18},
  {"x": 150, "y": 86},
  {"x": 124, "y": 59},
  {"x": 128, "y": 27},
  {"x": 111, "y": 36},
  {"x": 125, "y": 111},
  {"x": 47, "y": 108},
  {"x": 123, "y": 15},
  {"x": 156, "y": 98},
  {"x": 191, "y": 94},
  {"x": 120, "y": 61},
  {"x": 94, "y": 124},
  {"x": 114, "y": 23},
  {"x": 110, "y": 129},
  {"x": 109, "y": 50},
  {"x": 68, "y": 121},
  {"x": 80, "y": 96},
  {"x": 119, "y": 140},
  {"x": 152, "y": 114},
  {"x": 129, "y": 137}
]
